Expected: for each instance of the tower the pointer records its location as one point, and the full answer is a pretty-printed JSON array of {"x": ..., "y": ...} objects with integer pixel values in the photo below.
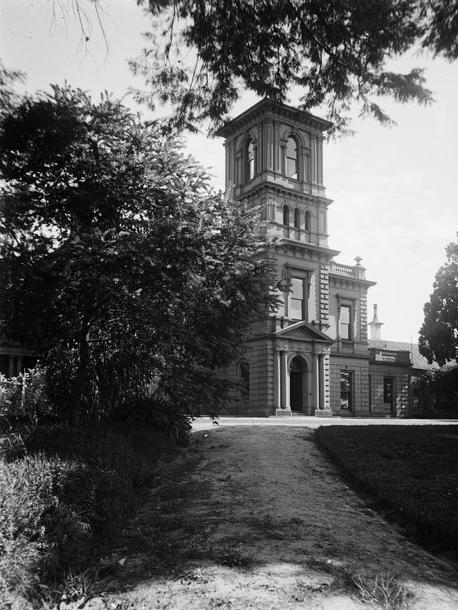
[{"x": 274, "y": 164}]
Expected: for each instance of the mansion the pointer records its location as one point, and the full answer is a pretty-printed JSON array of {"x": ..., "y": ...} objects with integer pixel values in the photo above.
[{"x": 313, "y": 356}]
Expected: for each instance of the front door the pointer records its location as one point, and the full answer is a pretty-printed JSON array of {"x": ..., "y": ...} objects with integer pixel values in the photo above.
[{"x": 296, "y": 384}]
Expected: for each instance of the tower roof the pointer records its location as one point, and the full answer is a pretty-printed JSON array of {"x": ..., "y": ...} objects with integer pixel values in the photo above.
[{"x": 276, "y": 108}]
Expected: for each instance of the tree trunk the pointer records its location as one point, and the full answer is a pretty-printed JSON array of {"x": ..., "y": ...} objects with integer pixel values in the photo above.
[{"x": 79, "y": 380}]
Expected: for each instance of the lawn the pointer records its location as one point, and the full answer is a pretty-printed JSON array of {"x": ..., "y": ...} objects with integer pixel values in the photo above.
[{"x": 411, "y": 472}]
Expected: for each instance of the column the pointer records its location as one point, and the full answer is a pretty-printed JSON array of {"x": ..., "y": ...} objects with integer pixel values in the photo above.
[
  {"x": 320, "y": 161},
  {"x": 239, "y": 178},
  {"x": 228, "y": 162},
  {"x": 276, "y": 150},
  {"x": 260, "y": 163},
  {"x": 316, "y": 383},
  {"x": 321, "y": 380},
  {"x": 282, "y": 397},
  {"x": 306, "y": 165},
  {"x": 286, "y": 378},
  {"x": 269, "y": 147},
  {"x": 322, "y": 383},
  {"x": 278, "y": 380}
]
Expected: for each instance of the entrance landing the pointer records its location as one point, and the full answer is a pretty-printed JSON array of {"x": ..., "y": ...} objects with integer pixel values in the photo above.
[{"x": 310, "y": 421}]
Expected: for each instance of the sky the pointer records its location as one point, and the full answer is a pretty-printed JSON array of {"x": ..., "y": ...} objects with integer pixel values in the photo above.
[{"x": 394, "y": 191}]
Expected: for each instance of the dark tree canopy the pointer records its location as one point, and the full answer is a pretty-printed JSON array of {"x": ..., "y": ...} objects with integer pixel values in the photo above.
[
  {"x": 117, "y": 260},
  {"x": 439, "y": 333},
  {"x": 201, "y": 55}
]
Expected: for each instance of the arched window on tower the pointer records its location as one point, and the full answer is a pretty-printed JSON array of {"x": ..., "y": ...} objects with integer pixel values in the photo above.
[
  {"x": 291, "y": 158},
  {"x": 307, "y": 222},
  {"x": 297, "y": 218},
  {"x": 286, "y": 215},
  {"x": 250, "y": 159}
]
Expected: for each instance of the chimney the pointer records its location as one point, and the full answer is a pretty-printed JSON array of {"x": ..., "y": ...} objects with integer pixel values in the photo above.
[{"x": 375, "y": 327}]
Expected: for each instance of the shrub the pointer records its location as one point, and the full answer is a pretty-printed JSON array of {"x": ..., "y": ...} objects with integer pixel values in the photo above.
[
  {"x": 437, "y": 392},
  {"x": 35, "y": 524},
  {"x": 12, "y": 446},
  {"x": 62, "y": 491},
  {"x": 10, "y": 391},
  {"x": 385, "y": 591},
  {"x": 24, "y": 399},
  {"x": 68, "y": 492},
  {"x": 161, "y": 416}
]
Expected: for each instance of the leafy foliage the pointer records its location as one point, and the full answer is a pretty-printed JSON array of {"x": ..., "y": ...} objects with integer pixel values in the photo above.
[
  {"x": 24, "y": 400},
  {"x": 442, "y": 27},
  {"x": 201, "y": 55},
  {"x": 119, "y": 264},
  {"x": 439, "y": 332},
  {"x": 437, "y": 392},
  {"x": 68, "y": 491},
  {"x": 8, "y": 96}
]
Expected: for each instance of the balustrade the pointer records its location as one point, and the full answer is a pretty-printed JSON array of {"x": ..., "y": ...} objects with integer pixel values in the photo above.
[{"x": 347, "y": 270}]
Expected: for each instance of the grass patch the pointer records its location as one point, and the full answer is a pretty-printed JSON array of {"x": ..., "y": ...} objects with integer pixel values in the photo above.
[
  {"x": 410, "y": 471},
  {"x": 63, "y": 497}
]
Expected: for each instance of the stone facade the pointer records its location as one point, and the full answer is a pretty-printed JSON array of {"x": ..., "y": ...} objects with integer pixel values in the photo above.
[
  {"x": 359, "y": 369},
  {"x": 312, "y": 356}
]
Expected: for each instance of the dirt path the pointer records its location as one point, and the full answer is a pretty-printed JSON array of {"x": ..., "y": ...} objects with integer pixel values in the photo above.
[{"x": 257, "y": 518}]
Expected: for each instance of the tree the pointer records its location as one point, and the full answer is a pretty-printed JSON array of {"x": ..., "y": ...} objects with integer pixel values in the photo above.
[
  {"x": 7, "y": 94},
  {"x": 202, "y": 55},
  {"x": 118, "y": 262},
  {"x": 439, "y": 333}
]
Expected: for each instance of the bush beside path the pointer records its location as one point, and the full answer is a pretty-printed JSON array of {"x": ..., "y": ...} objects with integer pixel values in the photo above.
[{"x": 256, "y": 517}]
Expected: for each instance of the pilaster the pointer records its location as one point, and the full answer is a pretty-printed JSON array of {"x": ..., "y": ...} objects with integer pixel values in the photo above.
[
  {"x": 363, "y": 314},
  {"x": 324, "y": 296}
]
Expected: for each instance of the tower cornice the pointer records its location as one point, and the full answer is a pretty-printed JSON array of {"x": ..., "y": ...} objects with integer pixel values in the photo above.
[
  {"x": 321, "y": 251},
  {"x": 269, "y": 109},
  {"x": 281, "y": 189}
]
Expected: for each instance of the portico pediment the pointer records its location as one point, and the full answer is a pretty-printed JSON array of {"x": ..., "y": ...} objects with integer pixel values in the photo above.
[{"x": 303, "y": 331}]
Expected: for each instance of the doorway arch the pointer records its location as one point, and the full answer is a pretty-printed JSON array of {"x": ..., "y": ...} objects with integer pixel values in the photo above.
[{"x": 297, "y": 383}]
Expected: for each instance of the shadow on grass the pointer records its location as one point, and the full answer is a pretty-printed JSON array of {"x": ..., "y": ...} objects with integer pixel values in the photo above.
[{"x": 408, "y": 474}]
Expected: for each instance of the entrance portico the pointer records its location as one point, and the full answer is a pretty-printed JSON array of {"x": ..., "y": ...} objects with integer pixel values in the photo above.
[{"x": 302, "y": 370}]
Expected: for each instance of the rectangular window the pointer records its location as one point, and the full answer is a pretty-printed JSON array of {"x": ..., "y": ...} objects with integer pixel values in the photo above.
[
  {"x": 345, "y": 329},
  {"x": 346, "y": 390},
  {"x": 296, "y": 299},
  {"x": 388, "y": 390}
]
